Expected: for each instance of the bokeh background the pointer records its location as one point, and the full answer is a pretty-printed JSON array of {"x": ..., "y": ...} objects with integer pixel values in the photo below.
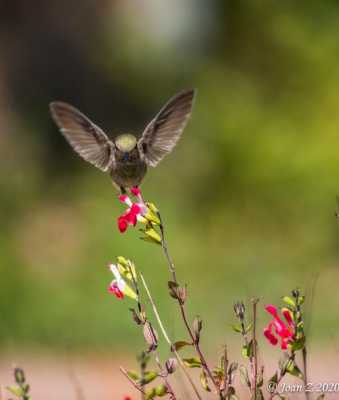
[{"x": 248, "y": 195}]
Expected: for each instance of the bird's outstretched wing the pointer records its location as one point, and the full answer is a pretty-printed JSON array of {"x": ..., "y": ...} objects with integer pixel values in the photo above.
[
  {"x": 87, "y": 139},
  {"x": 163, "y": 132}
]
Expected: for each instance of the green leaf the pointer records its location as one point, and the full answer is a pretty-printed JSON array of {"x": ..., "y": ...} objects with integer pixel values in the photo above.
[
  {"x": 283, "y": 362},
  {"x": 274, "y": 378},
  {"x": 153, "y": 235},
  {"x": 150, "y": 394},
  {"x": 298, "y": 344},
  {"x": 204, "y": 381},
  {"x": 249, "y": 327},
  {"x": 16, "y": 390},
  {"x": 126, "y": 268},
  {"x": 218, "y": 372},
  {"x": 133, "y": 375},
  {"x": 247, "y": 350},
  {"x": 25, "y": 387},
  {"x": 148, "y": 377},
  {"x": 161, "y": 390},
  {"x": 152, "y": 214},
  {"x": 259, "y": 395},
  {"x": 288, "y": 300},
  {"x": 180, "y": 344},
  {"x": 245, "y": 380},
  {"x": 237, "y": 328},
  {"x": 193, "y": 362},
  {"x": 148, "y": 239},
  {"x": 293, "y": 369}
]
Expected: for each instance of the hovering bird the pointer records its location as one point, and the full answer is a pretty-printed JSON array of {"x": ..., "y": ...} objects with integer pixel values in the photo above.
[{"x": 125, "y": 158}]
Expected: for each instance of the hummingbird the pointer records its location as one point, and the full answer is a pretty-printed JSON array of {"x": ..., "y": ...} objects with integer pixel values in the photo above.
[{"x": 126, "y": 157}]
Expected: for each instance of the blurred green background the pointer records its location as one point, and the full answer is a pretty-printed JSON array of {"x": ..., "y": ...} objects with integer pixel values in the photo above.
[{"x": 248, "y": 195}]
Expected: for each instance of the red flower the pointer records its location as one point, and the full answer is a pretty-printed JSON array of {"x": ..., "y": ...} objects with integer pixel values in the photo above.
[
  {"x": 133, "y": 212},
  {"x": 113, "y": 288},
  {"x": 122, "y": 224},
  {"x": 284, "y": 330}
]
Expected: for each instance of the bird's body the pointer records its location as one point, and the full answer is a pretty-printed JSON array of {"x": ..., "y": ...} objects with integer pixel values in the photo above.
[
  {"x": 129, "y": 169},
  {"x": 126, "y": 158}
]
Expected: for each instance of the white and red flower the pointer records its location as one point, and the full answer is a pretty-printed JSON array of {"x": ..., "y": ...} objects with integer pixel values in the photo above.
[
  {"x": 136, "y": 211},
  {"x": 284, "y": 330},
  {"x": 118, "y": 286}
]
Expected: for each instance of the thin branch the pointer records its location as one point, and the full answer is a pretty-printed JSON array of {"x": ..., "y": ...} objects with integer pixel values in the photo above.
[
  {"x": 170, "y": 343},
  {"x": 182, "y": 309},
  {"x": 142, "y": 358},
  {"x": 304, "y": 351},
  {"x": 165, "y": 249},
  {"x": 255, "y": 349},
  {"x": 79, "y": 392},
  {"x": 142, "y": 371},
  {"x": 304, "y": 356},
  {"x": 197, "y": 348},
  {"x": 226, "y": 383},
  {"x": 155, "y": 310},
  {"x": 281, "y": 376},
  {"x": 124, "y": 372},
  {"x": 168, "y": 385}
]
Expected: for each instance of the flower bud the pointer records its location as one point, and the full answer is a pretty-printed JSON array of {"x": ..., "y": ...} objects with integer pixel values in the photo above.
[
  {"x": 239, "y": 309},
  {"x": 197, "y": 326},
  {"x": 19, "y": 376},
  {"x": 136, "y": 317},
  {"x": 150, "y": 336},
  {"x": 171, "y": 365}
]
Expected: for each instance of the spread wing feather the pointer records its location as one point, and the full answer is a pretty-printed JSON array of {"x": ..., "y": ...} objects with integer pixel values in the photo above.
[
  {"x": 87, "y": 139},
  {"x": 163, "y": 132}
]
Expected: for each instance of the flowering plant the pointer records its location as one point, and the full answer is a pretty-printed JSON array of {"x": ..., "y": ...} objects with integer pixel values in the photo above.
[
  {"x": 154, "y": 377},
  {"x": 286, "y": 327}
]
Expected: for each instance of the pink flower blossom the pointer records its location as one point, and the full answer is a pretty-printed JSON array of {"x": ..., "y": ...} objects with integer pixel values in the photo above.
[
  {"x": 278, "y": 327},
  {"x": 135, "y": 211}
]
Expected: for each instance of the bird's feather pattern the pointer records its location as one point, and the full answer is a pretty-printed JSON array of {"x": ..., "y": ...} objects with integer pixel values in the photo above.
[
  {"x": 163, "y": 132},
  {"x": 87, "y": 139}
]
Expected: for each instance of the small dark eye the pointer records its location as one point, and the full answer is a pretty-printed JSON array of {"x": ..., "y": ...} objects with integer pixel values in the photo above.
[{"x": 144, "y": 147}]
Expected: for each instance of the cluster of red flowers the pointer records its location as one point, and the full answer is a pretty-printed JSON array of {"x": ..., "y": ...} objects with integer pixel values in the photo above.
[{"x": 278, "y": 327}]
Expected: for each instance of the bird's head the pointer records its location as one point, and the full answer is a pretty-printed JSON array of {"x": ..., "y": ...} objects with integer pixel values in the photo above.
[{"x": 125, "y": 143}]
